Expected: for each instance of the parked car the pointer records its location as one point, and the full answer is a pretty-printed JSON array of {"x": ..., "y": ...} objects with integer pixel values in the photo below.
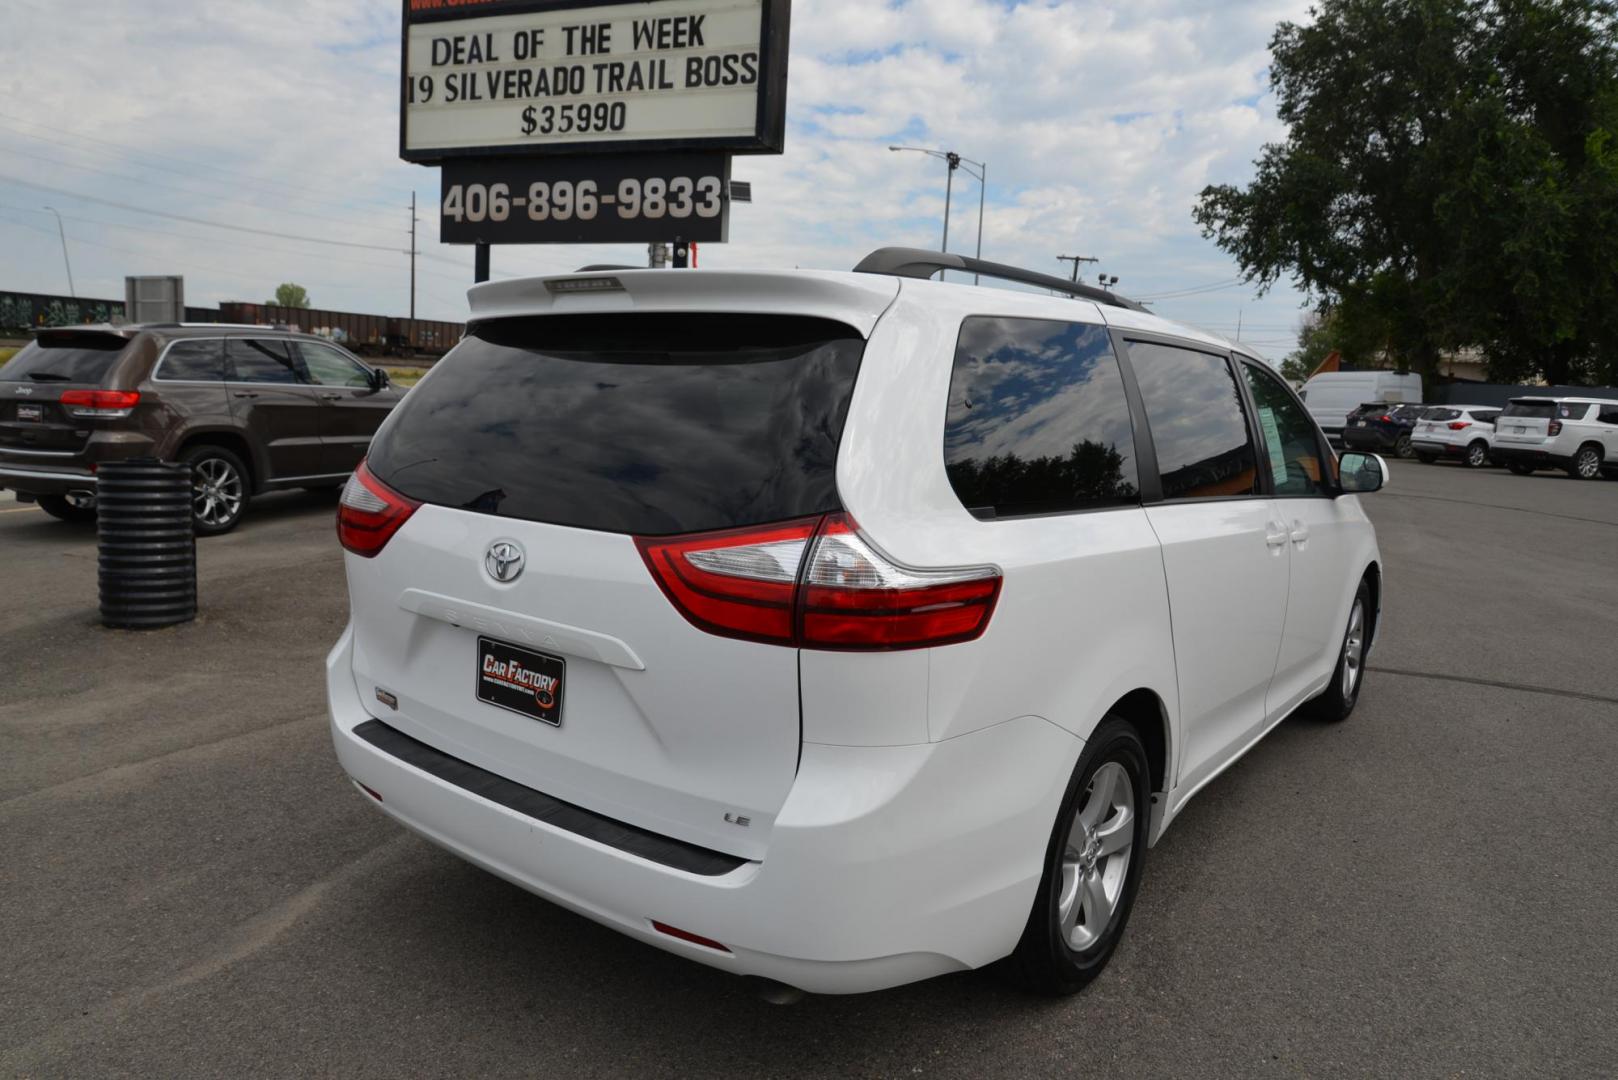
[
  {"x": 1380, "y": 426},
  {"x": 1463, "y": 432},
  {"x": 816, "y": 626},
  {"x": 250, "y": 409},
  {"x": 1579, "y": 435},
  {"x": 1332, "y": 395}
]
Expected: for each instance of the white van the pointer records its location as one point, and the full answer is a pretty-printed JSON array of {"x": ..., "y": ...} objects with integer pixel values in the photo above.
[
  {"x": 1331, "y": 396},
  {"x": 817, "y": 624}
]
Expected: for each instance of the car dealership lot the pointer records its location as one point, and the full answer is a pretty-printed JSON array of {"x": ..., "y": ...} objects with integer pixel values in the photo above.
[{"x": 190, "y": 886}]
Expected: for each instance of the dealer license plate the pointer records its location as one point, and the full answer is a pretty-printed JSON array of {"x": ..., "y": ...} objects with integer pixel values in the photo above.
[
  {"x": 30, "y": 412},
  {"x": 521, "y": 680}
]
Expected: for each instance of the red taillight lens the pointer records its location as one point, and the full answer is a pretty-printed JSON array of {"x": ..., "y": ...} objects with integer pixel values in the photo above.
[
  {"x": 855, "y": 598},
  {"x": 739, "y": 583},
  {"x": 1385, "y": 418},
  {"x": 1555, "y": 428},
  {"x": 1458, "y": 425},
  {"x": 99, "y": 402},
  {"x": 370, "y": 513},
  {"x": 758, "y": 584}
]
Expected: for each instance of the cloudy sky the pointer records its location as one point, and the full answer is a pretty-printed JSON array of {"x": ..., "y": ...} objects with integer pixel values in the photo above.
[{"x": 147, "y": 124}]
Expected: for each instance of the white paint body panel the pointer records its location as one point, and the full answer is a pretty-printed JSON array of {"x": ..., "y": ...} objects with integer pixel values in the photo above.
[{"x": 901, "y": 802}]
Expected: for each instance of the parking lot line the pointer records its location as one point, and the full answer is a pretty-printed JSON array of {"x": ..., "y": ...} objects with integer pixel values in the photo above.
[{"x": 19, "y": 510}]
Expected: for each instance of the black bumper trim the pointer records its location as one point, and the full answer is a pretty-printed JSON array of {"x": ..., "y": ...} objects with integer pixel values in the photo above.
[{"x": 651, "y": 846}]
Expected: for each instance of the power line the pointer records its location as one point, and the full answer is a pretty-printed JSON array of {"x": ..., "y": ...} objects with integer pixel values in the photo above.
[
  {"x": 201, "y": 221},
  {"x": 241, "y": 176},
  {"x": 193, "y": 191}
]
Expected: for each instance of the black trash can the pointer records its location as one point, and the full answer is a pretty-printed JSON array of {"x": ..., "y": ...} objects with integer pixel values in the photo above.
[{"x": 148, "y": 552}]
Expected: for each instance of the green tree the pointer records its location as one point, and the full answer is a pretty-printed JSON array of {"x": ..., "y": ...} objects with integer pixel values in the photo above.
[
  {"x": 289, "y": 295},
  {"x": 1449, "y": 178}
]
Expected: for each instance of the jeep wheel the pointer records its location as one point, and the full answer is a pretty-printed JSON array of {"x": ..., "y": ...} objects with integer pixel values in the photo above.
[{"x": 219, "y": 491}]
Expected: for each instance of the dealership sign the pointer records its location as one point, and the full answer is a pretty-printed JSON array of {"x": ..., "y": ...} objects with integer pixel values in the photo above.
[{"x": 518, "y": 78}]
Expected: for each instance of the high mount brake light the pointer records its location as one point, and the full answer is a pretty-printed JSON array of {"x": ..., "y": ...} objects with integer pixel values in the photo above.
[
  {"x": 93, "y": 403},
  {"x": 816, "y": 583},
  {"x": 369, "y": 513}
]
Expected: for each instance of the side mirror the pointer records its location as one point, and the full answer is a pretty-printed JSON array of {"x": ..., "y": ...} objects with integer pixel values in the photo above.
[
  {"x": 1360, "y": 474},
  {"x": 379, "y": 378}
]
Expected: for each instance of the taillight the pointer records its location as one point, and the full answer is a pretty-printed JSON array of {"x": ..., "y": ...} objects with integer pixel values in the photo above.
[
  {"x": 1458, "y": 425},
  {"x": 1555, "y": 428},
  {"x": 816, "y": 583},
  {"x": 1385, "y": 418},
  {"x": 99, "y": 403},
  {"x": 369, "y": 513},
  {"x": 854, "y": 598},
  {"x": 739, "y": 583}
]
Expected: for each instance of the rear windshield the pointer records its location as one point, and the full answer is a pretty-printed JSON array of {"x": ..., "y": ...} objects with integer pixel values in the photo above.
[
  {"x": 1542, "y": 409},
  {"x": 645, "y": 424},
  {"x": 1441, "y": 414},
  {"x": 72, "y": 358}
]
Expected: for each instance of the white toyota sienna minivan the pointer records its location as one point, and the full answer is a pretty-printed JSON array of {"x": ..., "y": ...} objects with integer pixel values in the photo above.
[{"x": 838, "y": 629}]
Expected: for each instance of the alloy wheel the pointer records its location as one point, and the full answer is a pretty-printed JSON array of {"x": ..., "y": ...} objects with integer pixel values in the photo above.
[
  {"x": 1476, "y": 455},
  {"x": 1588, "y": 464},
  {"x": 216, "y": 491},
  {"x": 1095, "y": 862},
  {"x": 1402, "y": 447},
  {"x": 1353, "y": 650}
]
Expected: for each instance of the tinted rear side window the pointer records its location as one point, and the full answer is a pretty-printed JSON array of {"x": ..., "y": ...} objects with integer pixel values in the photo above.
[
  {"x": 1198, "y": 425},
  {"x": 1038, "y": 422},
  {"x": 1543, "y": 410},
  {"x": 645, "y": 424},
  {"x": 193, "y": 361},
  {"x": 1441, "y": 414},
  {"x": 68, "y": 358}
]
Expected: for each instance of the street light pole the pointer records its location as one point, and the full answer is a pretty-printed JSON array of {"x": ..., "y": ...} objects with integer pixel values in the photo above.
[
  {"x": 955, "y": 161},
  {"x": 63, "y": 234}
]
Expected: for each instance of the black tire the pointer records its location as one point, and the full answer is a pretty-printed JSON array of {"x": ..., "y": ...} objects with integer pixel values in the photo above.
[
  {"x": 217, "y": 462},
  {"x": 1045, "y": 960},
  {"x": 1586, "y": 463},
  {"x": 1519, "y": 468},
  {"x": 1477, "y": 454},
  {"x": 1337, "y": 701},
  {"x": 64, "y": 509},
  {"x": 1402, "y": 447},
  {"x": 1426, "y": 458}
]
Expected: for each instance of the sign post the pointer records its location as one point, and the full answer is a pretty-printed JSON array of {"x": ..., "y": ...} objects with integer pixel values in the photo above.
[{"x": 582, "y": 121}]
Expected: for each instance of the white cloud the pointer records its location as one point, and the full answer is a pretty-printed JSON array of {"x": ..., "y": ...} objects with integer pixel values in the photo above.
[{"x": 1100, "y": 123}]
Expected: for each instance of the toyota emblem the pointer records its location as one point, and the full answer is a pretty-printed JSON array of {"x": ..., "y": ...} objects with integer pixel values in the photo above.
[{"x": 504, "y": 560}]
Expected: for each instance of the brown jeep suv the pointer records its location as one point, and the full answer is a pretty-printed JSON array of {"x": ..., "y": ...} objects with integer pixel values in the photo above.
[{"x": 250, "y": 409}]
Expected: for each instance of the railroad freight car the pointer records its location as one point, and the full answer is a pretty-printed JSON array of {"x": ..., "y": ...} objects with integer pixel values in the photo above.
[
  {"x": 369, "y": 335},
  {"x": 21, "y": 312}
]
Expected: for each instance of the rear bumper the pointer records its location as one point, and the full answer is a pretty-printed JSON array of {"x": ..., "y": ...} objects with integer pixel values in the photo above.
[
  {"x": 1369, "y": 438},
  {"x": 43, "y": 479},
  {"x": 885, "y": 865},
  {"x": 1432, "y": 446},
  {"x": 1544, "y": 459}
]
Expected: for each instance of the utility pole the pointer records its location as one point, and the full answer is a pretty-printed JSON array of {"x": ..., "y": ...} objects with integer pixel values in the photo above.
[
  {"x": 1076, "y": 260},
  {"x": 412, "y": 254}
]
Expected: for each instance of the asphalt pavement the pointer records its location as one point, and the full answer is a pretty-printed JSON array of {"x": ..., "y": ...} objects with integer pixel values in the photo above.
[{"x": 190, "y": 888}]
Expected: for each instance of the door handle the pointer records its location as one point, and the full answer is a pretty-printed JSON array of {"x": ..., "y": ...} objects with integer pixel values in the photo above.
[
  {"x": 1275, "y": 534},
  {"x": 1300, "y": 532},
  {"x": 330, "y": 397},
  {"x": 244, "y": 393}
]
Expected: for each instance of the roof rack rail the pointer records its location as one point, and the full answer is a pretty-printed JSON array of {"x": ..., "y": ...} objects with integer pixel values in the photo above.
[{"x": 921, "y": 263}]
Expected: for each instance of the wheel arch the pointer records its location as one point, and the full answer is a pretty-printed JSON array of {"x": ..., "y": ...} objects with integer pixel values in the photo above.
[
  {"x": 1373, "y": 579},
  {"x": 1145, "y": 712},
  {"x": 227, "y": 440}
]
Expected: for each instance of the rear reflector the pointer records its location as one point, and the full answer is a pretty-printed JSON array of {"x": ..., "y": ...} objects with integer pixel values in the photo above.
[
  {"x": 369, "y": 513},
  {"x": 816, "y": 583},
  {"x": 371, "y": 791},
  {"x": 686, "y": 935},
  {"x": 93, "y": 403}
]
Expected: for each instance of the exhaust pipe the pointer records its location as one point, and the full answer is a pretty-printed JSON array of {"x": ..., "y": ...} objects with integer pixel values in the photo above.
[{"x": 775, "y": 993}]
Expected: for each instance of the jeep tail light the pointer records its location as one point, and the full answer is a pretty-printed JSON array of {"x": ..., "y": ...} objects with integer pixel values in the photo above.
[
  {"x": 91, "y": 404},
  {"x": 818, "y": 584},
  {"x": 1459, "y": 425},
  {"x": 369, "y": 513}
]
